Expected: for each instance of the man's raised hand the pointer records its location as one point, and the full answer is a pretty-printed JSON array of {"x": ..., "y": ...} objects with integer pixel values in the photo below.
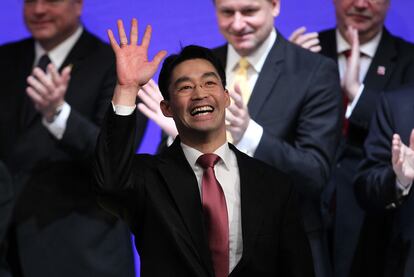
[{"x": 132, "y": 65}]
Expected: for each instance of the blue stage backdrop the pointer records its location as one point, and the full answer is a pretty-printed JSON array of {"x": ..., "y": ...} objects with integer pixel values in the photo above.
[{"x": 183, "y": 22}]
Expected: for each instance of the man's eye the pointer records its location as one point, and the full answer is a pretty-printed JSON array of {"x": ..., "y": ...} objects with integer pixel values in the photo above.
[
  {"x": 227, "y": 13},
  {"x": 210, "y": 83},
  {"x": 184, "y": 88},
  {"x": 249, "y": 12}
]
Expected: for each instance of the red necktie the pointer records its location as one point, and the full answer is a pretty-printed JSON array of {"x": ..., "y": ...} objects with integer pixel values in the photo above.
[{"x": 215, "y": 213}]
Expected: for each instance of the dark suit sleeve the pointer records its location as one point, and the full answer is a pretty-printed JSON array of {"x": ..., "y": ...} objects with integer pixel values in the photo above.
[
  {"x": 116, "y": 181},
  {"x": 375, "y": 182},
  {"x": 296, "y": 256},
  {"x": 6, "y": 200},
  {"x": 309, "y": 155}
]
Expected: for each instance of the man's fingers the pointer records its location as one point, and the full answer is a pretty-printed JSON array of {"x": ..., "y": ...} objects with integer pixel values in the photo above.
[
  {"x": 65, "y": 76},
  {"x": 123, "y": 39},
  {"x": 412, "y": 140},
  {"x": 158, "y": 58},
  {"x": 307, "y": 37},
  {"x": 316, "y": 49},
  {"x": 152, "y": 92},
  {"x": 112, "y": 40},
  {"x": 134, "y": 32},
  {"x": 37, "y": 86},
  {"x": 310, "y": 43},
  {"x": 150, "y": 102},
  {"x": 147, "y": 111},
  {"x": 236, "y": 96},
  {"x": 36, "y": 97},
  {"x": 234, "y": 110},
  {"x": 297, "y": 33},
  {"x": 147, "y": 37}
]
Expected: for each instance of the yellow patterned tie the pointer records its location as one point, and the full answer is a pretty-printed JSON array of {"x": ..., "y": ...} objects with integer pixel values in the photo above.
[{"x": 242, "y": 80}]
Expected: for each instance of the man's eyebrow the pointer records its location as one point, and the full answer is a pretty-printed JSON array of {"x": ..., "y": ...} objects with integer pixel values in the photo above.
[
  {"x": 181, "y": 79},
  {"x": 210, "y": 74},
  {"x": 187, "y": 79}
]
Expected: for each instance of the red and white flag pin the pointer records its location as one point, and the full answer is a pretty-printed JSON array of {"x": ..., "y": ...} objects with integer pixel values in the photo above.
[{"x": 381, "y": 70}]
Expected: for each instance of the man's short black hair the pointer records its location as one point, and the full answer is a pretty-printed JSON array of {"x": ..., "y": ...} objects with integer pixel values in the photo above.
[{"x": 190, "y": 52}]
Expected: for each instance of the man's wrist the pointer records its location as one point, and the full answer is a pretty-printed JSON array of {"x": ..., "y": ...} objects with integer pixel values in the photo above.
[
  {"x": 51, "y": 117},
  {"x": 125, "y": 95}
]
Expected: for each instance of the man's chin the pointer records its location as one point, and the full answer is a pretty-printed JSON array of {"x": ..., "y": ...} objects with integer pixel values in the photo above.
[{"x": 244, "y": 48}]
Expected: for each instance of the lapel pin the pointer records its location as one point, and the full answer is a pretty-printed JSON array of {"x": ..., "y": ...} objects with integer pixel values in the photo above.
[{"x": 381, "y": 70}]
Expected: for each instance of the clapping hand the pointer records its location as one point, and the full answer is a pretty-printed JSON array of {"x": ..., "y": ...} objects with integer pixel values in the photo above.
[
  {"x": 403, "y": 160},
  {"x": 305, "y": 40},
  {"x": 47, "y": 89},
  {"x": 151, "y": 97},
  {"x": 237, "y": 116}
]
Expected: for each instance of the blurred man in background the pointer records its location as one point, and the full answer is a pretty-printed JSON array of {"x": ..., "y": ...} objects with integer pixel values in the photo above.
[
  {"x": 56, "y": 86},
  {"x": 380, "y": 61}
]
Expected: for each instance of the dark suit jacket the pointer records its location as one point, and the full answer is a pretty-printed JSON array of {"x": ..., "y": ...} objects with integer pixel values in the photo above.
[
  {"x": 160, "y": 199},
  {"x": 375, "y": 185},
  {"x": 297, "y": 101},
  {"x": 6, "y": 207},
  {"x": 60, "y": 229},
  {"x": 397, "y": 57}
]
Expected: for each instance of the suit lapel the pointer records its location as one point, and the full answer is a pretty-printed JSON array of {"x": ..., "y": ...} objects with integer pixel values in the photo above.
[
  {"x": 28, "y": 111},
  {"x": 182, "y": 184},
  {"x": 328, "y": 44},
  {"x": 268, "y": 76},
  {"x": 382, "y": 64},
  {"x": 221, "y": 54},
  {"x": 251, "y": 197}
]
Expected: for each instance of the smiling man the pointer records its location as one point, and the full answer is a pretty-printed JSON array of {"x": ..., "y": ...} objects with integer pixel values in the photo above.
[{"x": 201, "y": 208}]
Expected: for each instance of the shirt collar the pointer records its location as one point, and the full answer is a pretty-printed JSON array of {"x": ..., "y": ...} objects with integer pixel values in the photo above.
[
  {"x": 367, "y": 49},
  {"x": 257, "y": 58},
  {"x": 58, "y": 54},
  {"x": 193, "y": 154}
]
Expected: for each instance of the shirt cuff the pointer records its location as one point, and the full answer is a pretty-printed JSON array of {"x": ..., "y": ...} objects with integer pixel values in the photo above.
[
  {"x": 123, "y": 110},
  {"x": 170, "y": 140},
  {"x": 58, "y": 126},
  {"x": 401, "y": 189},
  {"x": 351, "y": 106},
  {"x": 251, "y": 138}
]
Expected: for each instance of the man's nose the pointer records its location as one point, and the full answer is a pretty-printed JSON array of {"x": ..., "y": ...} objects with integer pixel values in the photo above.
[
  {"x": 238, "y": 22},
  {"x": 199, "y": 92},
  {"x": 38, "y": 6},
  {"x": 361, "y": 4}
]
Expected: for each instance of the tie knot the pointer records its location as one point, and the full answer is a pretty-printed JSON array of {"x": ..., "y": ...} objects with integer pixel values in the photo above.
[
  {"x": 208, "y": 160},
  {"x": 347, "y": 53},
  {"x": 43, "y": 62},
  {"x": 243, "y": 63}
]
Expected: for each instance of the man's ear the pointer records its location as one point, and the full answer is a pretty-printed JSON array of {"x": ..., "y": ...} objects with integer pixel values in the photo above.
[
  {"x": 227, "y": 98},
  {"x": 166, "y": 108}
]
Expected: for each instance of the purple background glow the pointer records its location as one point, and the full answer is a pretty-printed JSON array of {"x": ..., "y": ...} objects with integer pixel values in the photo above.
[{"x": 183, "y": 22}]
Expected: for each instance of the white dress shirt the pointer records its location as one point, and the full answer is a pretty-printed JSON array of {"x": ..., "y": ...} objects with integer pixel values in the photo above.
[
  {"x": 368, "y": 50},
  {"x": 253, "y": 134},
  {"x": 57, "y": 56}
]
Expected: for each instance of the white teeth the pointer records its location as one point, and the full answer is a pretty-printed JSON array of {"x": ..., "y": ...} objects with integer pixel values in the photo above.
[{"x": 202, "y": 109}]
